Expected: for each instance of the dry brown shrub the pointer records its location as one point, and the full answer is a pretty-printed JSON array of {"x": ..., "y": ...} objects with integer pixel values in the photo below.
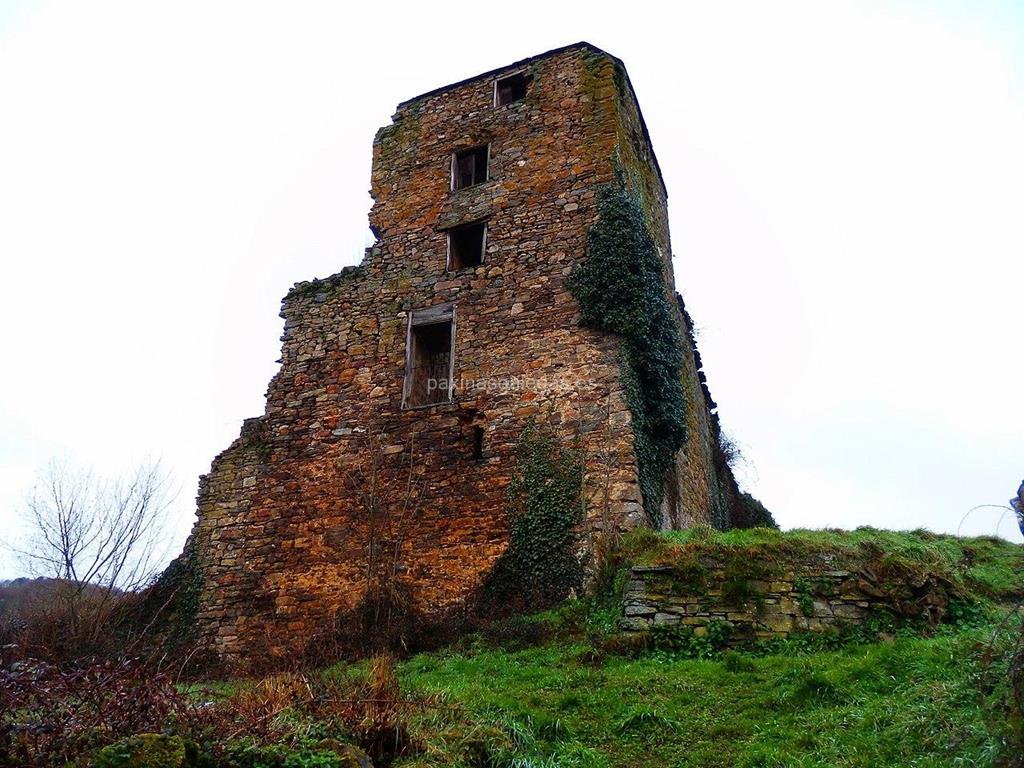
[{"x": 51, "y": 716}]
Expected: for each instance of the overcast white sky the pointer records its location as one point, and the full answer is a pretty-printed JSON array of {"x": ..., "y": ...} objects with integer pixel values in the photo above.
[{"x": 846, "y": 184}]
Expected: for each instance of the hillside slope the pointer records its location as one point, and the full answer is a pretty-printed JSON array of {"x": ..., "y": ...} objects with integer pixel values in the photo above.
[{"x": 888, "y": 693}]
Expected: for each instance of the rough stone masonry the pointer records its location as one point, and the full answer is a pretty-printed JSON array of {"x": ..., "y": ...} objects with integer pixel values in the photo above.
[
  {"x": 791, "y": 593},
  {"x": 406, "y": 381}
]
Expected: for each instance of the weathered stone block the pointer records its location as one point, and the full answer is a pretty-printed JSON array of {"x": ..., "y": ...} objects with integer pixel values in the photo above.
[
  {"x": 847, "y": 611},
  {"x": 634, "y": 624},
  {"x": 636, "y": 609},
  {"x": 822, "y": 608}
]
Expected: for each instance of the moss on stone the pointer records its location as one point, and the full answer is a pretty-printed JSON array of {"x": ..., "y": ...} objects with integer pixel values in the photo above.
[
  {"x": 323, "y": 285},
  {"x": 170, "y": 605},
  {"x": 405, "y": 123},
  {"x": 147, "y": 750}
]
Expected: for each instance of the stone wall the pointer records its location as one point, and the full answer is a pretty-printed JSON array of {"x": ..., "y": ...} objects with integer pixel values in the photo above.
[
  {"x": 695, "y": 492},
  {"x": 808, "y": 594},
  {"x": 337, "y": 480},
  {"x": 693, "y": 488}
]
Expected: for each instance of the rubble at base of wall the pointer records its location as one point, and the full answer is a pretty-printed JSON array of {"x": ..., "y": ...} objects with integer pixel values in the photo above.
[{"x": 799, "y": 598}]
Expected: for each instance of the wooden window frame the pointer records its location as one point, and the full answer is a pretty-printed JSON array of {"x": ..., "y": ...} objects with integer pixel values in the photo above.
[
  {"x": 441, "y": 313},
  {"x": 448, "y": 243},
  {"x": 454, "y": 167},
  {"x": 506, "y": 76}
]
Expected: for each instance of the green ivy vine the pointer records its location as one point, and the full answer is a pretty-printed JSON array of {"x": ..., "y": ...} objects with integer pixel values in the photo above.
[
  {"x": 172, "y": 602},
  {"x": 545, "y": 509},
  {"x": 620, "y": 288}
]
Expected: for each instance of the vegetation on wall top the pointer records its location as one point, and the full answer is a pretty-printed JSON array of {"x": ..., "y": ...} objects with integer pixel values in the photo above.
[
  {"x": 983, "y": 568},
  {"x": 752, "y": 513},
  {"x": 323, "y": 285}
]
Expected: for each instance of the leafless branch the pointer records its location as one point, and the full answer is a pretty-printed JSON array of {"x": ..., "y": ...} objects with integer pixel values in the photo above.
[{"x": 96, "y": 538}]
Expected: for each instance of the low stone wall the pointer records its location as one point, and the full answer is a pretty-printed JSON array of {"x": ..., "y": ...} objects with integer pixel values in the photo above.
[{"x": 803, "y": 596}]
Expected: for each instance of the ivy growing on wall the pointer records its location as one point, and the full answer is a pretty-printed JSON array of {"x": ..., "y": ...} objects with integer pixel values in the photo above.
[
  {"x": 621, "y": 288},
  {"x": 544, "y": 506},
  {"x": 171, "y": 604}
]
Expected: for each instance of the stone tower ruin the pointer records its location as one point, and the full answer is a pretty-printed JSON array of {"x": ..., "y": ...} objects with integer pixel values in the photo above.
[{"x": 422, "y": 365}]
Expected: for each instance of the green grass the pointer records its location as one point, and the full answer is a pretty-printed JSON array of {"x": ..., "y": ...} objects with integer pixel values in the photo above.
[
  {"x": 911, "y": 700},
  {"x": 562, "y": 689},
  {"x": 908, "y": 702}
]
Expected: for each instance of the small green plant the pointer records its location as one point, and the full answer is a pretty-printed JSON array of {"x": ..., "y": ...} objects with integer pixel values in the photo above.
[
  {"x": 703, "y": 533},
  {"x": 751, "y": 513},
  {"x": 737, "y": 592},
  {"x": 674, "y": 638},
  {"x": 538, "y": 743},
  {"x": 685, "y": 642},
  {"x": 804, "y": 598},
  {"x": 283, "y": 756},
  {"x": 967, "y": 613},
  {"x": 690, "y": 574},
  {"x": 719, "y": 633},
  {"x": 802, "y": 687},
  {"x": 738, "y": 589},
  {"x": 148, "y": 750},
  {"x": 734, "y": 661},
  {"x": 647, "y": 721}
]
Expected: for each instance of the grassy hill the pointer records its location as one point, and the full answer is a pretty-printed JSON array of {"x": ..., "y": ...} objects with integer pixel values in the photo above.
[
  {"x": 565, "y": 689},
  {"x": 562, "y": 689},
  {"x": 906, "y": 701},
  {"x": 883, "y": 695}
]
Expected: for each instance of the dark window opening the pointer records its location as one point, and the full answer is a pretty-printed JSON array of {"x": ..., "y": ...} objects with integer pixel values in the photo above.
[
  {"x": 511, "y": 88},
  {"x": 466, "y": 246},
  {"x": 478, "y": 443},
  {"x": 469, "y": 167},
  {"x": 428, "y": 375}
]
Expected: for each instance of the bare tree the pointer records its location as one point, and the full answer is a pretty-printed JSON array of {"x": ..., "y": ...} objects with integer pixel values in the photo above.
[
  {"x": 96, "y": 538},
  {"x": 93, "y": 532}
]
